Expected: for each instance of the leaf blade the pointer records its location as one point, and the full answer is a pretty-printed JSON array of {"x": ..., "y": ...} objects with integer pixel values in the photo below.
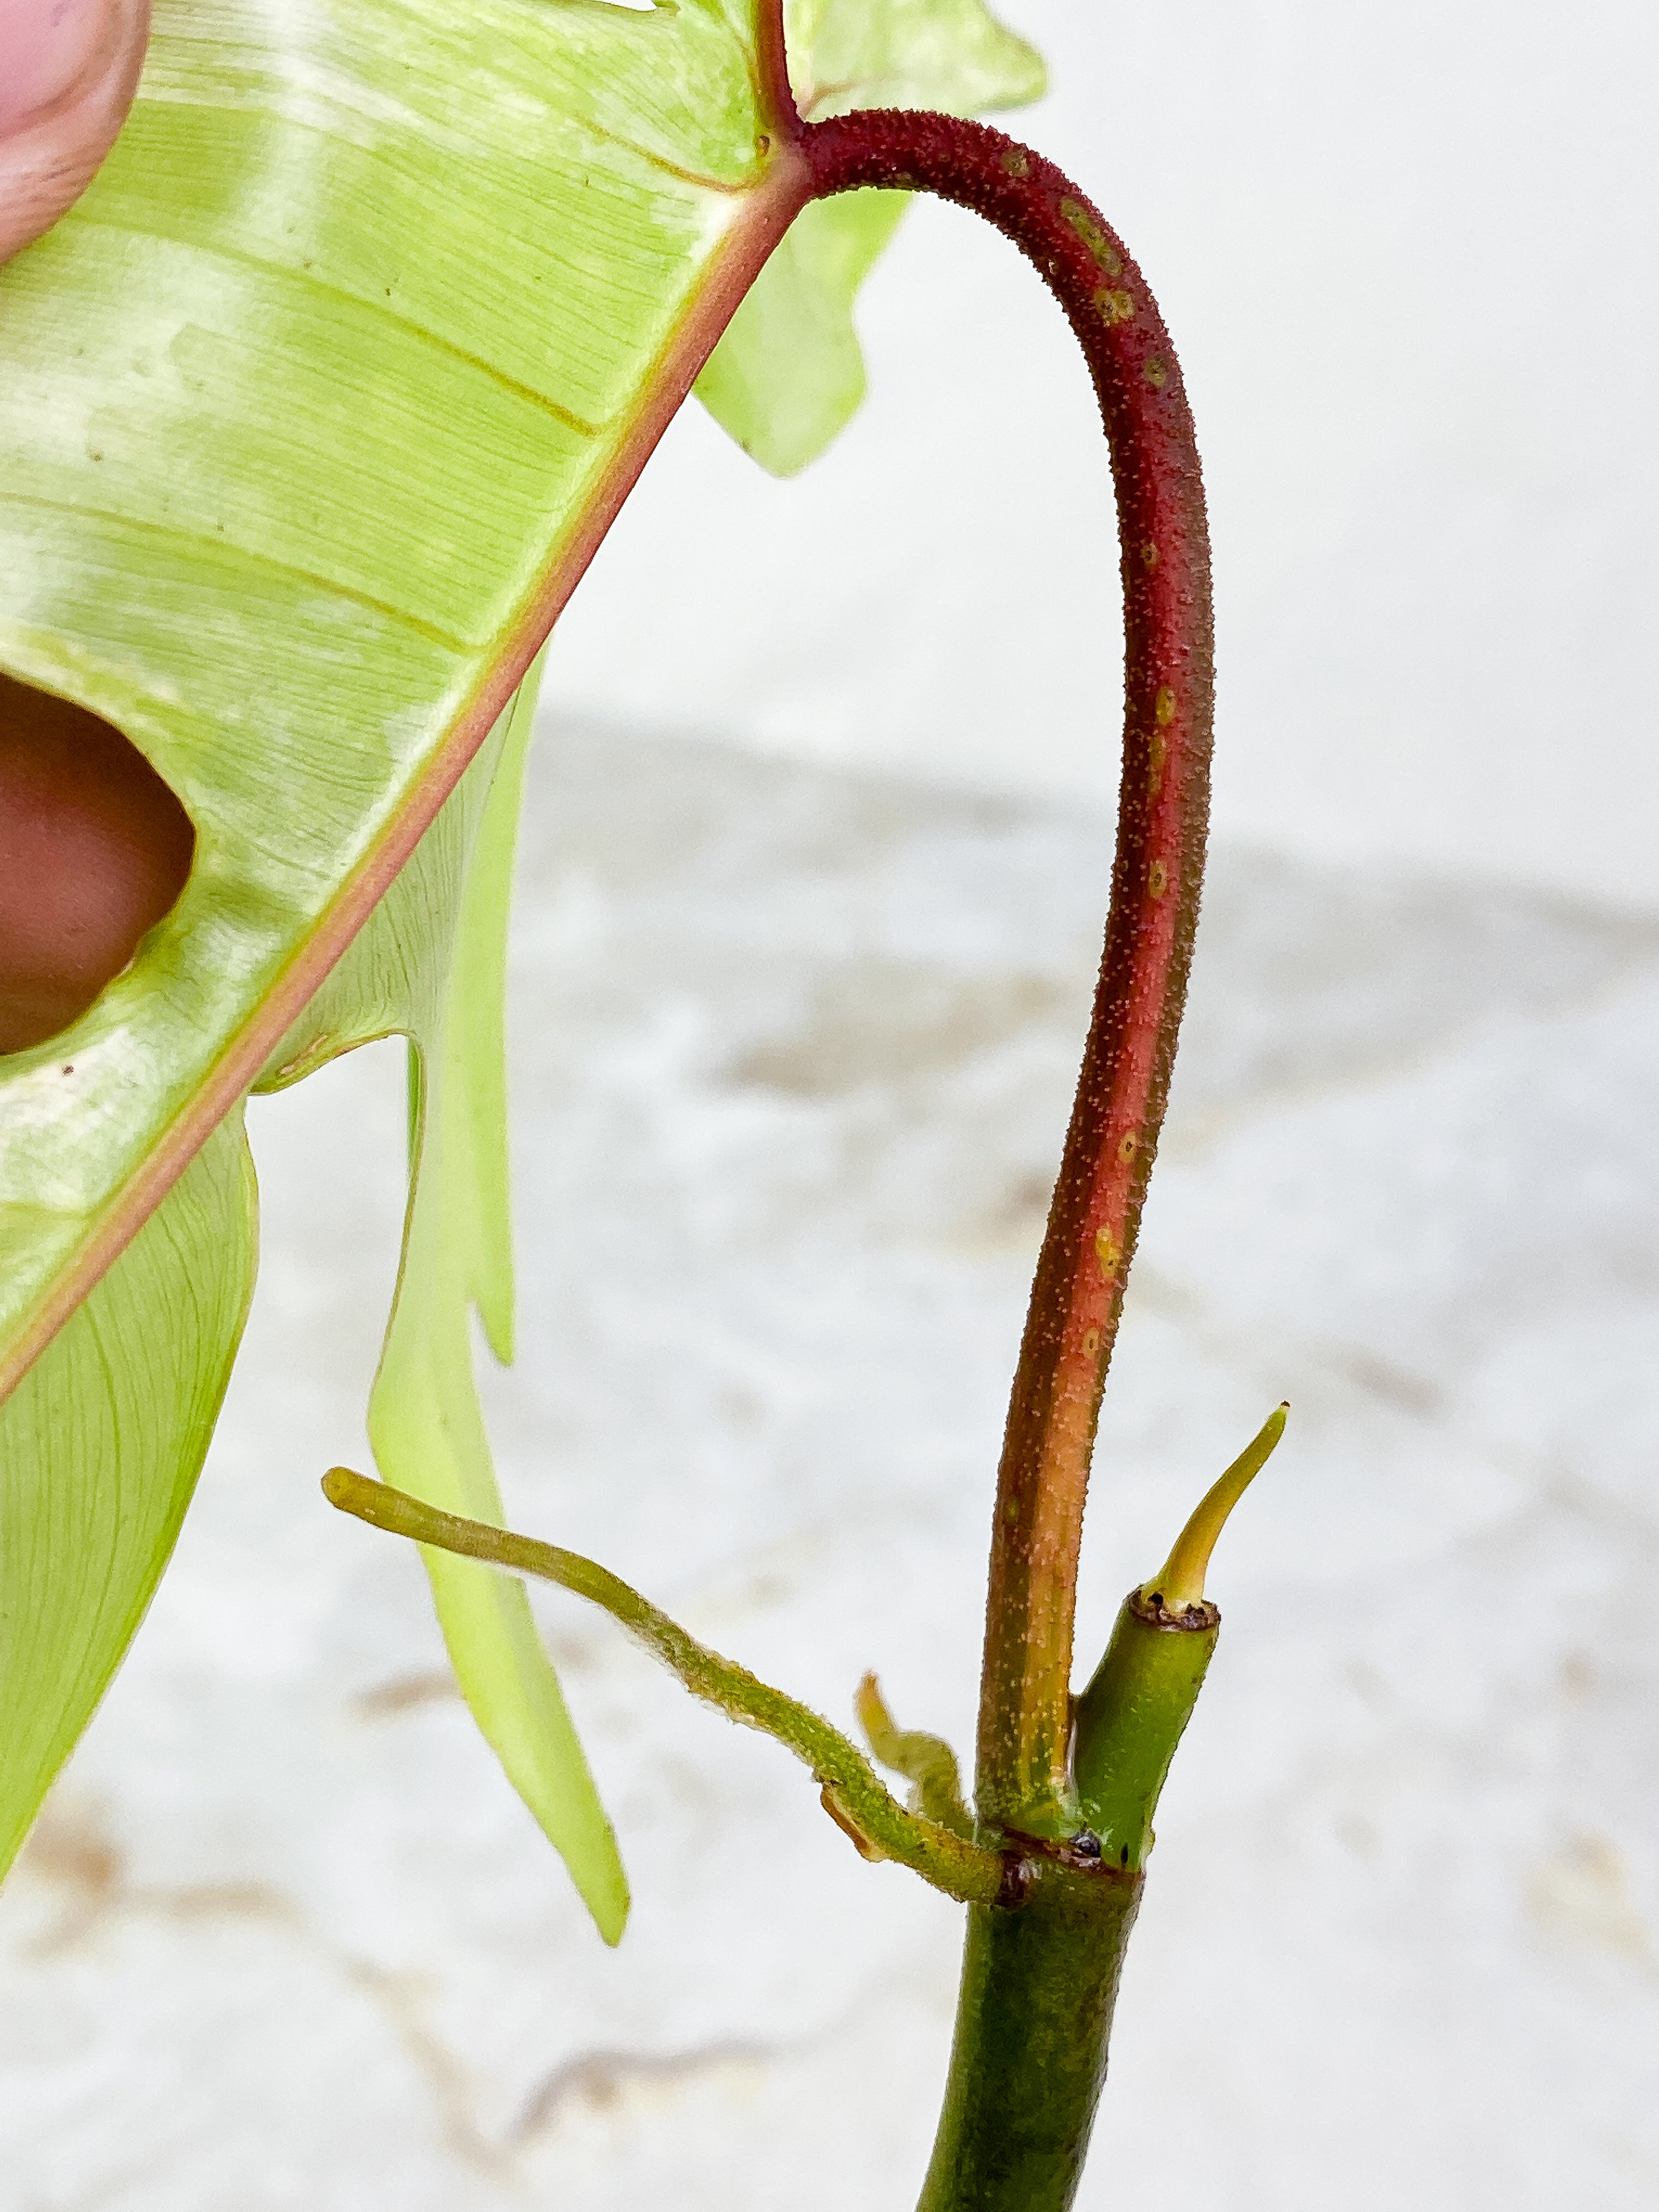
[
  {"x": 424, "y": 1419},
  {"x": 100, "y": 1450},
  {"x": 212, "y": 380},
  {"x": 431, "y": 964}
]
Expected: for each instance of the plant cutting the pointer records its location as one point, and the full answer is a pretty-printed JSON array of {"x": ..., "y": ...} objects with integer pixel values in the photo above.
[{"x": 271, "y": 660}]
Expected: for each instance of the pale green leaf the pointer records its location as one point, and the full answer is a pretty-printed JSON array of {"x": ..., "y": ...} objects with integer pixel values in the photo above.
[
  {"x": 952, "y": 56},
  {"x": 424, "y": 1419},
  {"x": 430, "y": 964},
  {"x": 787, "y": 376},
  {"x": 100, "y": 1445},
  {"x": 311, "y": 413}
]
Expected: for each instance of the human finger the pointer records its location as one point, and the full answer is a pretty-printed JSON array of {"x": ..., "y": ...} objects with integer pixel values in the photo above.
[{"x": 67, "y": 71}]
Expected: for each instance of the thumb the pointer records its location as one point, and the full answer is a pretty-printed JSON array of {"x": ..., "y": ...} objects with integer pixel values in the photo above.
[{"x": 68, "y": 70}]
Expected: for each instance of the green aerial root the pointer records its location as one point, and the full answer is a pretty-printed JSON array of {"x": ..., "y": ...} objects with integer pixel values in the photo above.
[{"x": 854, "y": 1798}]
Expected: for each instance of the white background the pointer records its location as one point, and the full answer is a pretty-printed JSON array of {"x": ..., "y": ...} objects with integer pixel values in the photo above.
[{"x": 1408, "y": 256}]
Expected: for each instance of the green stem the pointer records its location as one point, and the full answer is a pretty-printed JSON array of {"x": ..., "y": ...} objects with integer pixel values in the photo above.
[
  {"x": 1038, "y": 1987},
  {"x": 1038, "y": 1984},
  {"x": 1132, "y": 1714}
]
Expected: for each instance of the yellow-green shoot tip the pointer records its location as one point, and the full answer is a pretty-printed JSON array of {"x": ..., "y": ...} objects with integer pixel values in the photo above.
[{"x": 1182, "y": 1582}]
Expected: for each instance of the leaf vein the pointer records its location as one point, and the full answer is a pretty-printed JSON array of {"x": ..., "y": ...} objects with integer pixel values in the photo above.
[
  {"x": 580, "y": 423},
  {"x": 462, "y": 647}
]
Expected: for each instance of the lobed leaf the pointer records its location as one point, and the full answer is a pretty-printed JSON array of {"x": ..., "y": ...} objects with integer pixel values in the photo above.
[
  {"x": 311, "y": 414},
  {"x": 431, "y": 965}
]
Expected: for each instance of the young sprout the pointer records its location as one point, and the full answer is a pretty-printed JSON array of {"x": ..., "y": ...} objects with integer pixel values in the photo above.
[{"x": 1181, "y": 1585}]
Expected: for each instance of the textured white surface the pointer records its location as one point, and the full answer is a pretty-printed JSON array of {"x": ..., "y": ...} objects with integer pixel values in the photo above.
[
  {"x": 1403, "y": 253},
  {"x": 793, "y": 1054}
]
